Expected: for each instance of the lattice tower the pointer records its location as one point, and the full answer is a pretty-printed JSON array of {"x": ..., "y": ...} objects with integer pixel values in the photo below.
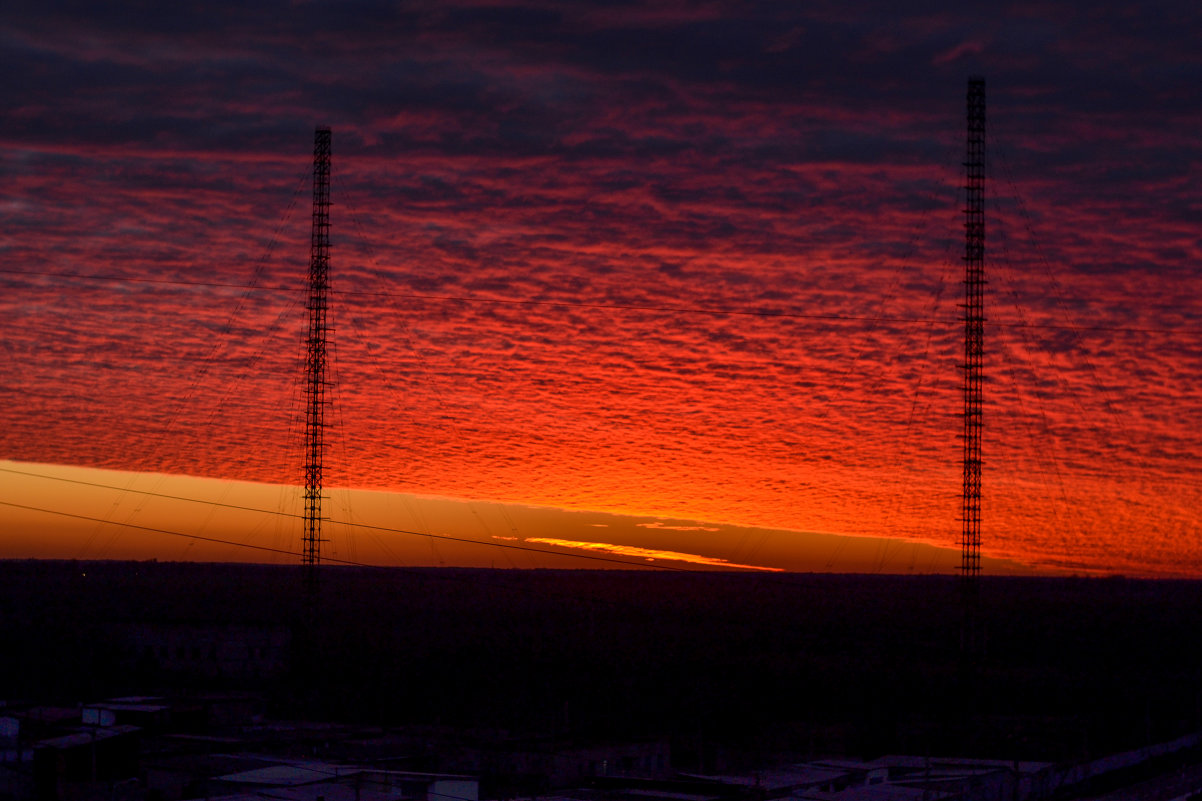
[
  {"x": 316, "y": 364},
  {"x": 974, "y": 350}
]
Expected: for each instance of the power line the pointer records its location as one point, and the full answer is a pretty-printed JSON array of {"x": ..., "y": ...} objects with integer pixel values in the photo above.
[
  {"x": 152, "y": 529},
  {"x": 149, "y": 493},
  {"x": 388, "y": 529}
]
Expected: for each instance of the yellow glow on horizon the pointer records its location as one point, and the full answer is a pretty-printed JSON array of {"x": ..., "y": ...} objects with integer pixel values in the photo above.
[
  {"x": 72, "y": 512},
  {"x": 650, "y": 553}
]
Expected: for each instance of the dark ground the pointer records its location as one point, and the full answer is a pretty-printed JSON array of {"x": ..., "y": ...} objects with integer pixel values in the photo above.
[{"x": 760, "y": 665}]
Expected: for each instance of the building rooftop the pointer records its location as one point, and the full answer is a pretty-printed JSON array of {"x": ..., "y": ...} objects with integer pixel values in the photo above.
[
  {"x": 875, "y": 792},
  {"x": 113, "y": 706},
  {"x": 804, "y": 775},
  {"x": 86, "y": 737},
  {"x": 288, "y": 775}
]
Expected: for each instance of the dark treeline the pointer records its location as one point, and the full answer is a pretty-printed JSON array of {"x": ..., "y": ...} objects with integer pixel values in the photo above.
[{"x": 758, "y": 663}]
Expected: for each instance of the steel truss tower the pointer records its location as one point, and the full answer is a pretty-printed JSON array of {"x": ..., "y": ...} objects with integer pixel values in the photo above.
[
  {"x": 316, "y": 365},
  {"x": 974, "y": 349}
]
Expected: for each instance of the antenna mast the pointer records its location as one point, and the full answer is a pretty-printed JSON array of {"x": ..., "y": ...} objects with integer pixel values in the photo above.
[
  {"x": 974, "y": 349},
  {"x": 316, "y": 367}
]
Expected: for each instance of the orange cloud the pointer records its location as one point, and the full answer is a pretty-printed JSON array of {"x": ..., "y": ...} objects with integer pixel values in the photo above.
[{"x": 679, "y": 288}]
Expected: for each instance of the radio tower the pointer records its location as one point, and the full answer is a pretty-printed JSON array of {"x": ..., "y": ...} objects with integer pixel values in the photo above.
[
  {"x": 316, "y": 368},
  {"x": 974, "y": 348}
]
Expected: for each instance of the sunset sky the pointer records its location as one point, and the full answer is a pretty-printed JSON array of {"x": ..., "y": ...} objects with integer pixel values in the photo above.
[{"x": 667, "y": 284}]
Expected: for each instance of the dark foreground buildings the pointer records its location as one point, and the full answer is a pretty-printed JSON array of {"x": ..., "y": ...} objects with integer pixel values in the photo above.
[{"x": 169, "y": 681}]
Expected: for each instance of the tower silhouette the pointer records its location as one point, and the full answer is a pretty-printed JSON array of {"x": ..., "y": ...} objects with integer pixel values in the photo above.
[
  {"x": 316, "y": 366},
  {"x": 973, "y": 367}
]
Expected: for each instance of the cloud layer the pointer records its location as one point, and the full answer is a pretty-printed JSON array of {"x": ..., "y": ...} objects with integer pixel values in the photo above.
[{"x": 691, "y": 260}]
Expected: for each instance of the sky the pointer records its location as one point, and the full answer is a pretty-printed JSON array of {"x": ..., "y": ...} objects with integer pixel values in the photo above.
[{"x": 679, "y": 277}]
